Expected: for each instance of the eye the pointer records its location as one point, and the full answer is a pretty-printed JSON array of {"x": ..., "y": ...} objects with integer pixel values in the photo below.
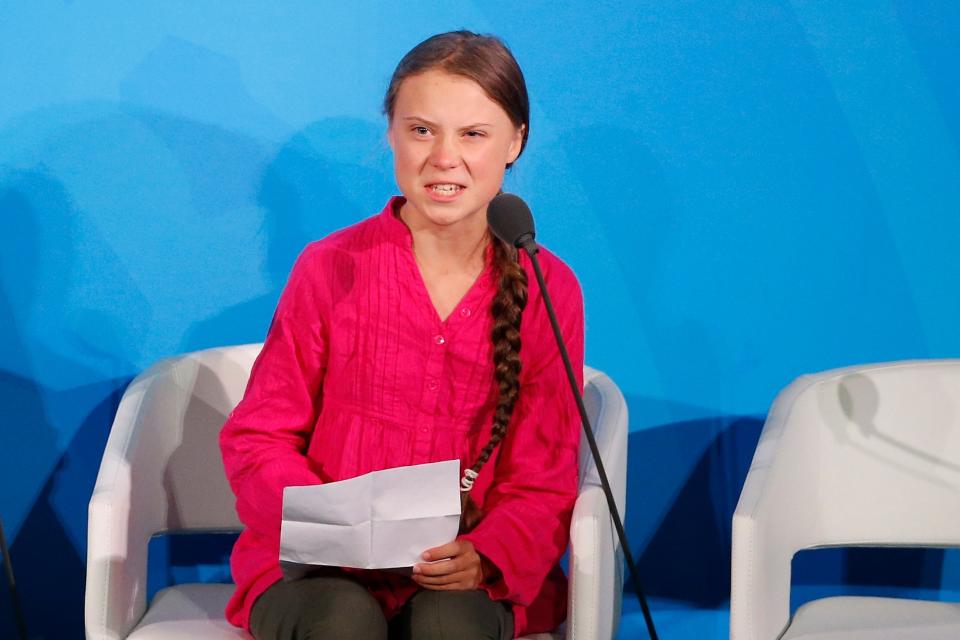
[
  {"x": 420, "y": 131},
  {"x": 476, "y": 134}
]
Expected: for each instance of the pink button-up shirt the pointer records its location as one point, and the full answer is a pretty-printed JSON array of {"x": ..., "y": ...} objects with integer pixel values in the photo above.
[{"x": 358, "y": 373}]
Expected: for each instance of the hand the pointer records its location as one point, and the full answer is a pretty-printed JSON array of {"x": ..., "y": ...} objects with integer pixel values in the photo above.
[{"x": 462, "y": 568}]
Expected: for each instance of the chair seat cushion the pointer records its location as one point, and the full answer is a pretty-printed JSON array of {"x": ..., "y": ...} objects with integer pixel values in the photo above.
[
  {"x": 195, "y": 612},
  {"x": 857, "y": 618},
  {"x": 189, "y": 611}
]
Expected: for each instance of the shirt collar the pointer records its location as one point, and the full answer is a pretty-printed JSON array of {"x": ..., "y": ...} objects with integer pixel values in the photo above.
[{"x": 394, "y": 228}]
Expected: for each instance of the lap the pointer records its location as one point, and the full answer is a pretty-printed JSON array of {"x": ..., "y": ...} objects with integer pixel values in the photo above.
[
  {"x": 335, "y": 605},
  {"x": 330, "y": 605}
]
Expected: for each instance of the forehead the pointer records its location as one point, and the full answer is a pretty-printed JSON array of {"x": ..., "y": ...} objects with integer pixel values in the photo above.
[{"x": 441, "y": 96}]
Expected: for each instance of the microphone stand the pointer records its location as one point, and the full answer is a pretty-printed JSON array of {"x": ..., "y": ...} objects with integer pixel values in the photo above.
[
  {"x": 527, "y": 243},
  {"x": 17, "y": 612}
]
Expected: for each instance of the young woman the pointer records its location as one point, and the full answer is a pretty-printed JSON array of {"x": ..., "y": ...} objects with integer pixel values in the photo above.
[{"x": 397, "y": 341}]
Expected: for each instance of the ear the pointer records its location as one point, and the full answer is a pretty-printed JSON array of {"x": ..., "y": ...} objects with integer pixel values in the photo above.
[{"x": 516, "y": 144}]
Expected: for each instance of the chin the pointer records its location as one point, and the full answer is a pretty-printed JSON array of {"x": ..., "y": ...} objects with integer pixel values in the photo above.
[{"x": 446, "y": 214}]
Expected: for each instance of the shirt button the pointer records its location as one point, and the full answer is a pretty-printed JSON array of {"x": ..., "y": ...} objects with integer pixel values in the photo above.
[
  {"x": 422, "y": 429},
  {"x": 432, "y": 384},
  {"x": 465, "y": 312},
  {"x": 439, "y": 339}
]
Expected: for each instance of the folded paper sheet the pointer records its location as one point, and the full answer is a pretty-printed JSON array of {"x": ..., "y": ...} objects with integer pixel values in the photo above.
[{"x": 385, "y": 519}]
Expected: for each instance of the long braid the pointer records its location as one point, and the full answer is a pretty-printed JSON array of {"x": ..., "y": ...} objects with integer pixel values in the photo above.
[{"x": 507, "y": 311}]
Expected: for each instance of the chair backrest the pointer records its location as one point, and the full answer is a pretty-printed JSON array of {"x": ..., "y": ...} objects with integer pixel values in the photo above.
[
  {"x": 884, "y": 442},
  {"x": 861, "y": 456},
  {"x": 165, "y": 440}
]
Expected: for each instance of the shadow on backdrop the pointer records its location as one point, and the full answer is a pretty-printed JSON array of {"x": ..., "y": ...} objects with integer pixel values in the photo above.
[
  {"x": 331, "y": 174},
  {"x": 683, "y": 548},
  {"x": 200, "y": 85},
  {"x": 53, "y": 482}
]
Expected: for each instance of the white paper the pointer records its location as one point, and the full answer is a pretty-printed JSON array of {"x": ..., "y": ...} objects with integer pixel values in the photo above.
[{"x": 381, "y": 520}]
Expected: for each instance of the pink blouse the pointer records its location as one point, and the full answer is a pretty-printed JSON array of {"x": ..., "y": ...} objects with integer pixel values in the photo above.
[{"x": 358, "y": 373}]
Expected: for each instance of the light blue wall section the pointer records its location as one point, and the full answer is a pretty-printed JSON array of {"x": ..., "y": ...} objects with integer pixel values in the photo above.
[{"x": 747, "y": 190}]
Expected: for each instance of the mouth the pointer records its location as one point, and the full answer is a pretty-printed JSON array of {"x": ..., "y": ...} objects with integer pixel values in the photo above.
[{"x": 444, "y": 190}]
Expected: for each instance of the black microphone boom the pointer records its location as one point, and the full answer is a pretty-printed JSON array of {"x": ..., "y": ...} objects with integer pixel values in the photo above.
[
  {"x": 12, "y": 583},
  {"x": 510, "y": 220}
]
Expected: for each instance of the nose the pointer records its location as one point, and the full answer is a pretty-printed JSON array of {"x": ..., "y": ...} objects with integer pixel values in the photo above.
[{"x": 445, "y": 154}]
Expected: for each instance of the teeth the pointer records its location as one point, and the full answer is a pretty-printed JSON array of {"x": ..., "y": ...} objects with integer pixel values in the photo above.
[{"x": 446, "y": 188}]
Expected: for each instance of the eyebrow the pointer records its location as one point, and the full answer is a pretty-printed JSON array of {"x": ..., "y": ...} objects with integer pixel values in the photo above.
[{"x": 433, "y": 124}]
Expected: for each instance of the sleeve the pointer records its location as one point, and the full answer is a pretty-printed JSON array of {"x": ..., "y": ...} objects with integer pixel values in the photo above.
[
  {"x": 264, "y": 441},
  {"x": 526, "y": 526}
]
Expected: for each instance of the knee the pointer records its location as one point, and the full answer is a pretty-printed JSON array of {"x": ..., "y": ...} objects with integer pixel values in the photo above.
[
  {"x": 351, "y": 615},
  {"x": 464, "y": 615},
  {"x": 318, "y": 609}
]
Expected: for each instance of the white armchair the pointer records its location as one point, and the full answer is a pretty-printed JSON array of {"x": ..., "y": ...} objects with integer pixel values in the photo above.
[
  {"x": 863, "y": 456},
  {"x": 161, "y": 472}
]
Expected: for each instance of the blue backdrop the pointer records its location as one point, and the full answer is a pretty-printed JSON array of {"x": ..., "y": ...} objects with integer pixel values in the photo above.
[{"x": 747, "y": 190}]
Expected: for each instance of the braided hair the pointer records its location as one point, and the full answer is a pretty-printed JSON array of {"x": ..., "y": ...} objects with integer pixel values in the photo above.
[{"x": 507, "y": 311}]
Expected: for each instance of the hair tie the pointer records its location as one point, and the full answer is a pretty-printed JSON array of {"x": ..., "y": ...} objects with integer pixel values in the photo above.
[{"x": 466, "y": 482}]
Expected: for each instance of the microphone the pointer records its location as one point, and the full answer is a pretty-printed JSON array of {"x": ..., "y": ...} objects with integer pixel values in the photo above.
[{"x": 510, "y": 220}]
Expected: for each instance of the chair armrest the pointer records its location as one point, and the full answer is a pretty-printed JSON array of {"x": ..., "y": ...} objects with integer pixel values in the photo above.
[
  {"x": 595, "y": 570},
  {"x": 130, "y": 503},
  {"x": 116, "y": 569},
  {"x": 775, "y": 517},
  {"x": 116, "y": 580},
  {"x": 760, "y": 580}
]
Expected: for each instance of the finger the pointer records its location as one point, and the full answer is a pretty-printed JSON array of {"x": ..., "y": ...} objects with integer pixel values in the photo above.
[
  {"x": 448, "y": 587},
  {"x": 469, "y": 576},
  {"x": 461, "y": 580},
  {"x": 440, "y": 568},
  {"x": 444, "y": 587},
  {"x": 449, "y": 578},
  {"x": 448, "y": 550}
]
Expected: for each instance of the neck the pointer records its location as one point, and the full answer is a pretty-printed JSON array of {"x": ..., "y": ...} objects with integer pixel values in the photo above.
[{"x": 458, "y": 246}]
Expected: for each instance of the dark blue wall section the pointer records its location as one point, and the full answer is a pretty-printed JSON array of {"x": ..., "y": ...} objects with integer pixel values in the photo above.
[{"x": 747, "y": 190}]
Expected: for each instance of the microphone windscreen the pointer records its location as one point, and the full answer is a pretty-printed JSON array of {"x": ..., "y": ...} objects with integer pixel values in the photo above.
[{"x": 510, "y": 219}]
